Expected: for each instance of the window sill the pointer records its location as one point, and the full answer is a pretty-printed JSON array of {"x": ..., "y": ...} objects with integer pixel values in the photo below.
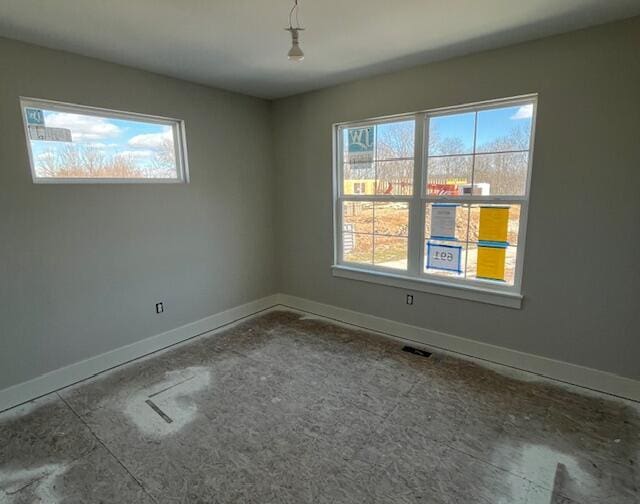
[{"x": 470, "y": 293}]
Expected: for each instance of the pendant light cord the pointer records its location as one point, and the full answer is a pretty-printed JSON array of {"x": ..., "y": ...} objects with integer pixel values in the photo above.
[{"x": 294, "y": 8}]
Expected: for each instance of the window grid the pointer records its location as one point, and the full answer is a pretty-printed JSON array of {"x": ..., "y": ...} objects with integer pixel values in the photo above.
[{"x": 420, "y": 197}]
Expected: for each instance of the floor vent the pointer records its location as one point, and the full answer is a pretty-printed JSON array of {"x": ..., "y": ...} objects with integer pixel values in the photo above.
[{"x": 416, "y": 351}]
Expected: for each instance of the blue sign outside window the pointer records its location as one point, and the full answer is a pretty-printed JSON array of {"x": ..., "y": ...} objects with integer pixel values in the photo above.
[{"x": 35, "y": 116}]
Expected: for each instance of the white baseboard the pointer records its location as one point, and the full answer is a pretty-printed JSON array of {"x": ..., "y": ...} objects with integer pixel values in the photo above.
[
  {"x": 73, "y": 373},
  {"x": 593, "y": 379},
  {"x": 580, "y": 376}
]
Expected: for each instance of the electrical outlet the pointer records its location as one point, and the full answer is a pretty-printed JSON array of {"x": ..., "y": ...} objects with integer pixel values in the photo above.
[
  {"x": 159, "y": 307},
  {"x": 409, "y": 299}
]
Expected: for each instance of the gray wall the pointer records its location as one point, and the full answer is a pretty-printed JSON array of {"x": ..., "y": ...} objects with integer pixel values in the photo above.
[
  {"x": 82, "y": 266},
  {"x": 582, "y": 275}
]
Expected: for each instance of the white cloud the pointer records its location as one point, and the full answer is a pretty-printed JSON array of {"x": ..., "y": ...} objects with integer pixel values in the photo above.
[
  {"x": 524, "y": 112},
  {"x": 83, "y": 127},
  {"x": 101, "y": 145},
  {"x": 151, "y": 140}
]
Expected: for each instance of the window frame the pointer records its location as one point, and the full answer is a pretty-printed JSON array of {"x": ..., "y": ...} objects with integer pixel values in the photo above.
[
  {"x": 177, "y": 127},
  {"x": 339, "y": 196},
  {"x": 415, "y": 278}
]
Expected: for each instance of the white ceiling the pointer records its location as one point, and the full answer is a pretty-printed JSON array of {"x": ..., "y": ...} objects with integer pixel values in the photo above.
[{"x": 241, "y": 45}]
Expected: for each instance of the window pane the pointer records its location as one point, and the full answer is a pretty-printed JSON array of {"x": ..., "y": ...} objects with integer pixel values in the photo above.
[
  {"x": 451, "y": 134},
  {"x": 510, "y": 254},
  {"x": 497, "y": 225},
  {"x": 455, "y": 217},
  {"x": 504, "y": 129},
  {"x": 395, "y": 140},
  {"x": 357, "y": 217},
  {"x": 513, "y": 222},
  {"x": 391, "y": 218},
  {"x": 390, "y": 252},
  {"x": 357, "y": 248},
  {"x": 501, "y": 174},
  {"x": 394, "y": 177},
  {"x": 379, "y": 159},
  {"x": 71, "y": 142},
  {"x": 449, "y": 175}
]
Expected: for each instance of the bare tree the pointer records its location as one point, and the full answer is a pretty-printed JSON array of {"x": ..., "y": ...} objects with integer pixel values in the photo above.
[
  {"x": 163, "y": 162},
  {"x": 86, "y": 161},
  {"x": 505, "y": 169},
  {"x": 501, "y": 163}
]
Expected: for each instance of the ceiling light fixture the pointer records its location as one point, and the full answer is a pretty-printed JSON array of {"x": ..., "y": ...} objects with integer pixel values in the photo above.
[{"x": 295, "y": 53}]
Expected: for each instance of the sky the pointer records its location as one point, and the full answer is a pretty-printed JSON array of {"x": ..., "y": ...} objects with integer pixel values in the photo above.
[
  {"x": 492, "y": 124},
  {"x": 137, "y": 140}
]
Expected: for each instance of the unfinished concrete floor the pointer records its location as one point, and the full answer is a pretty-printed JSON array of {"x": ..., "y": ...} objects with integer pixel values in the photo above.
[{"x": 288, "y": 409}]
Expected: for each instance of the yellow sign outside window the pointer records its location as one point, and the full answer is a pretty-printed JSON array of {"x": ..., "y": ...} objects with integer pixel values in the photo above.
[
  {"x": 494, "y": 222},
  {"x": 491, "y": 262}
]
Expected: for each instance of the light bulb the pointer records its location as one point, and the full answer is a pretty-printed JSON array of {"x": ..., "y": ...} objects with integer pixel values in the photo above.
[{"x": 295, "y": 54}]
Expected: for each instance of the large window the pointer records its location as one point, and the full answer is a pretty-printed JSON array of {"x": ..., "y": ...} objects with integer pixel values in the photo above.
[
  {"x": 72, "y": 143},
  {"x": 437, "y": 198}
]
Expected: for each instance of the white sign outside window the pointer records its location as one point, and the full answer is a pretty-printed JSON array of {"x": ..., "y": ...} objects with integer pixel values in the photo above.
[
  {"x": 50, "y": 134},
  {"x": 443, "y": 221}
]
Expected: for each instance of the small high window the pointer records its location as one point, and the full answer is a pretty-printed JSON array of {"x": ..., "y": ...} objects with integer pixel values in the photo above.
[{"x": 72, "y": 143}]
